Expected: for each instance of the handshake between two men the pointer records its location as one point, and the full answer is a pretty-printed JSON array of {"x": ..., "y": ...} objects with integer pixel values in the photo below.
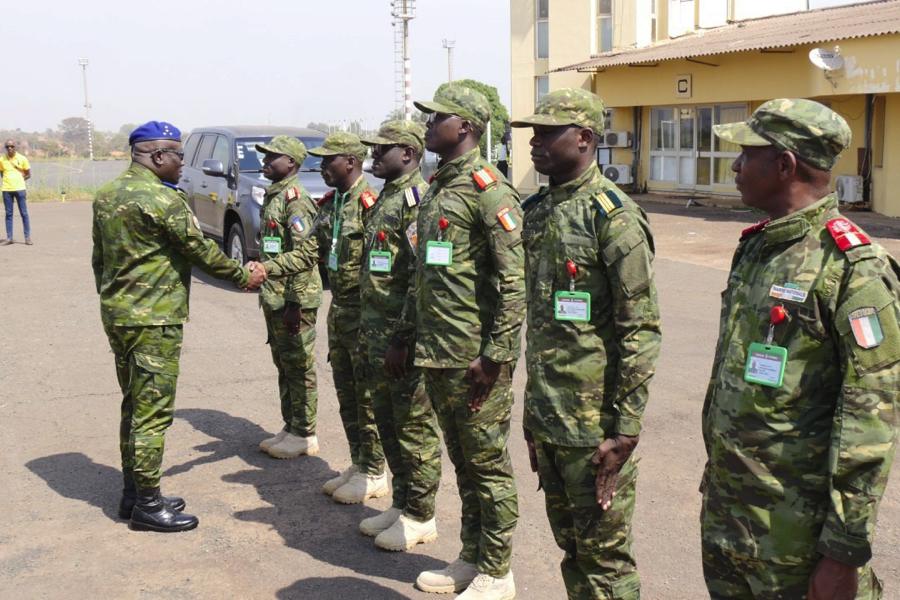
[{"x": 258, "y": 276}]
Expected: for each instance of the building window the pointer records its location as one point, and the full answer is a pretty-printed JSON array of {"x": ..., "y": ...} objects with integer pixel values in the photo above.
[
  {"x": 724, "y": 152},
  {"x": 654, "y": 31},
  {"x": 542, "y": 29},
  {"x": 541, "y": 87},
  {"x": 603, "y": 26},
  {"x": 681, "y": 17}
]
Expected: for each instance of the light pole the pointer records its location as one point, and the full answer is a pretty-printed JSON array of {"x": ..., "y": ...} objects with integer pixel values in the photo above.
[
  {"x": 83, "y": 62},
  {"x": 448, "y": 44},
  {"x": 403, "y": 12}
]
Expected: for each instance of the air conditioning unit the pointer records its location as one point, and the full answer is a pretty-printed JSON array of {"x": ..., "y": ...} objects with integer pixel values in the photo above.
[
  {"x": 849, "y": 188},
  {"x": 618, "y": 174},
  {"x": 617, "y": 139}
]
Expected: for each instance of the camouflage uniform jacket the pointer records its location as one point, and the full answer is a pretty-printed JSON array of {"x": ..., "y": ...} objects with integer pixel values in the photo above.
[
  {"x": 800, "y": 469},
  {"x": 476, "y": 305},
  {"x": 383, "y": 294},
  {"x": 289, "y": 214},
  {"x": 145, "y": 241},
  {"x": 588, "y": 380},
  {"x": 353, "y": 211}
]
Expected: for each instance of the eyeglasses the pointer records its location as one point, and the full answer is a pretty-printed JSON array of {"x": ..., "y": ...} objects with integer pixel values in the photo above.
[{"x": 178, "y": 153}]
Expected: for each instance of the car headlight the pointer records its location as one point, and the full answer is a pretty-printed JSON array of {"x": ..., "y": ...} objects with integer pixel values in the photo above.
[{"x": 258, "y": 194}]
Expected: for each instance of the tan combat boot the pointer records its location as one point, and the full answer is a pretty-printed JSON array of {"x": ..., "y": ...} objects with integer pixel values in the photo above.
[
  {"x": 292, "y": 446},
  {"x": 361, "y": 487},
  {"x": 335, "y": 482},
  {"x": 454, "y": 578},
  {"x": 269, "y": 442},
  {"x": 405, "y": 533},
  {"x": 375, "y": 525},
  {"x": 485, "y": 587}
]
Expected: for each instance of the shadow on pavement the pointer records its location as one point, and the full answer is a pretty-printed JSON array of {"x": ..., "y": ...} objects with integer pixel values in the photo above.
[
  {"x": 74, "y": 475},
  {"x": 337, "y": 588},
  {"x": 302, "y": 515}
]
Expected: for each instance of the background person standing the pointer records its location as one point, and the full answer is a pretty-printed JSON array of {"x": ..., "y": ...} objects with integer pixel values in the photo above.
[{"x": 15, "y": 169}]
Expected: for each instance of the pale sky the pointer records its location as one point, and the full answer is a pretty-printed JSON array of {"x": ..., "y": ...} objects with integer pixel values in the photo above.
[{"x": 226, "y": 62}]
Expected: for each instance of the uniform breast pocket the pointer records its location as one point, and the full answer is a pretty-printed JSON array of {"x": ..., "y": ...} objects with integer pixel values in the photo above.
[{"x": 584, "y": 254}]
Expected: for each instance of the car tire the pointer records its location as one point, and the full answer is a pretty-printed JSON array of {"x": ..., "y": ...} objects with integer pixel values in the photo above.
[{"x": 235, "y": 247}]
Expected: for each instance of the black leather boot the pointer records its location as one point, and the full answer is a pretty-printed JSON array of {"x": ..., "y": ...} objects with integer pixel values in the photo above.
[
  {"x": 173, "y": 503},
  {"x": 151, "y": 513}
]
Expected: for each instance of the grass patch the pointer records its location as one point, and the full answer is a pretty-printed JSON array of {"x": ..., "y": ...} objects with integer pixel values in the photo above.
[{"x": 51, "y": 194}]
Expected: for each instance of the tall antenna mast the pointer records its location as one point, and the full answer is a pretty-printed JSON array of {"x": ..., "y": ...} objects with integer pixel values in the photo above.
[{"x": 403, "y": 12}]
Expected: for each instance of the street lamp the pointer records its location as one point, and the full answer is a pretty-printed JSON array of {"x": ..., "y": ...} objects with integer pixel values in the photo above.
[
  {"x": 449, "y": 44},
  {"x": 83, "y": 62}
]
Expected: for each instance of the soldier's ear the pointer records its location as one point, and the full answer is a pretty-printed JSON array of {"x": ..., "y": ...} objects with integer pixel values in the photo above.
[
  {"x": 786, "y": 163},
  {"x": 587, "y": 139}
]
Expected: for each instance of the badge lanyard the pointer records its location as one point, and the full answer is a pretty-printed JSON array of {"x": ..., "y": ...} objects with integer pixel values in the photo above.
[
  {"x": 766, "y": 362},
  {"x": 571, "y": 305},
  {"x": 439, "y": 253},
  {"x": 380, "y": 259},
  {"x": 271, "y": 243},
  {"x": 336, "y": 230}
]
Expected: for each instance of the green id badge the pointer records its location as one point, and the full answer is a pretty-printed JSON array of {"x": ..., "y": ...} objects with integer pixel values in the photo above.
[
  {"x": 439, "y": 254},
  {"x": 572, "y": 306},
  {"x": 271, "y": 245},
  {"x": 379, "y": 261},
  {"x": 332, "y": 261},
  {"x": 765, "y": 364}
]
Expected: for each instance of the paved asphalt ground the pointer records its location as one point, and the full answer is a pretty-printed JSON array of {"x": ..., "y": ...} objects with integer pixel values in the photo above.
[{"x": 266, "y": 530}]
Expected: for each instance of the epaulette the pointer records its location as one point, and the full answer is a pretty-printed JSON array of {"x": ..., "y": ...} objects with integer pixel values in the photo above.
[
  {"x": 531, "y": 201},
  {"x": 756, "y": 228},
  {"x": 412, "y": 196},
  {"x": 321, "y": 201},
  {"x": 608, "y": 202},
  {"x": 292, "y": 193},
  {"x": 846, "y": 234},
  {"x": 368, "y": 199},
  {"x": 484, "y": 178}
]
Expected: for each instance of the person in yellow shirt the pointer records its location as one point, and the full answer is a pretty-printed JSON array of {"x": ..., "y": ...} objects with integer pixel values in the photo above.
[{"x": 15, "y": 169}]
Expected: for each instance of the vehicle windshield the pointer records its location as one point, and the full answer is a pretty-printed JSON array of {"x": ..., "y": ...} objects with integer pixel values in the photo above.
[{"x": 250, "y": 161}]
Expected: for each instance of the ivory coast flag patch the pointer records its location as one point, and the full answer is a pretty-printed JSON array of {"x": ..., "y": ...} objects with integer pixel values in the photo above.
[
  {"x": 506, "y": 219},
  {"x": 866, "y": 327}
]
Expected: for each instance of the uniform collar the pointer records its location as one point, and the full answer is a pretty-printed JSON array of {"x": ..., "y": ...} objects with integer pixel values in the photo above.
[
  {"x": 410, "y": 179},
  {"x": 355, "y": 190},
  {"x": 141, "y": 172},
  {"x": 561, "y": 192},
  {"x": 456, "y": 166},
  {"x": 282, "y": 185},
  {"x": 798, "y": 224}
]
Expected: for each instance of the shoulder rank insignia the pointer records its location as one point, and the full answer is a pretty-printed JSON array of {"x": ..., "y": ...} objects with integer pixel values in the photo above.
[
  {"x": 412, "y": 196},
  {"x": 368, "y": 199},
  {"x": 321, "y": 201},
  {"x": 607, "y": 201},
  {"x": 846, "y": 234},
  {"x": 755, "y": 228},
  {"x": 484, "y": 178},
  {"x": 292, "y": 193},
  {"x": 506, "y": 219}
]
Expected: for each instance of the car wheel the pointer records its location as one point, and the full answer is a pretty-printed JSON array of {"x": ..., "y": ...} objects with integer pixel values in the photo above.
[{"x": 234, "y": 244}]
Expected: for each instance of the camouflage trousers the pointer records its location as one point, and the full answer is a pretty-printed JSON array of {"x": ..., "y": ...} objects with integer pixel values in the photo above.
[
  {"x": 147, "y": 370},
  {"x": 476, "y": 443},
  {"x": 409, "y": 435},
  {"x": 598, "y": 564},
  {"x": 733, "y": 577},
  {"x": 348, "y": 365},
  {"x": 294, "y": 357}
]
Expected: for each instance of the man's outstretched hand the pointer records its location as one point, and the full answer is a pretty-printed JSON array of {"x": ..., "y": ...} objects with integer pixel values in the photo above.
[{"x": 258, "y": 275}]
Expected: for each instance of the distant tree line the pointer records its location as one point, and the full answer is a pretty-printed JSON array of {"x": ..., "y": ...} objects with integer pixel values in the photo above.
[{"x": 70, "y": 140}]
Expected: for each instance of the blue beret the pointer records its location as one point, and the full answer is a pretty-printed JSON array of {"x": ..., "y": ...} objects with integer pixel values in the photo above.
[{"x": 154, "y": 130}]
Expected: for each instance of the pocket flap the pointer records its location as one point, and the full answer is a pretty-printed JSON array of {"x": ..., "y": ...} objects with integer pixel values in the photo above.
[{"x": 155, "y": 364}]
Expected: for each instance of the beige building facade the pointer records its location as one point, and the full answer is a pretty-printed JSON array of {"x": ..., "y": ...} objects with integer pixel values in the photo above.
[{"x": 669, "y": 70}]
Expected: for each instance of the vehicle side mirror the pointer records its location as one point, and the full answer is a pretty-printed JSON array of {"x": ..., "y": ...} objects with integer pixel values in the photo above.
[{"x": 213, "y": 168}]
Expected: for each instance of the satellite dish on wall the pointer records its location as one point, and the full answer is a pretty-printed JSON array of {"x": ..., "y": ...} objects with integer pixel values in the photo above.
[{"x": 827, "y": 60}]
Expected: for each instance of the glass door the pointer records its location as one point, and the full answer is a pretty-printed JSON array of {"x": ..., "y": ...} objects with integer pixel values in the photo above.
[{"x": 687, "y": 144}]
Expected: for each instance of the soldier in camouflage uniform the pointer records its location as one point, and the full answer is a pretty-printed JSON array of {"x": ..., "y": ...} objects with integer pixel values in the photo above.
[
  {"x": 593, "y": 337},
  {"x": 291, "y": 296},
  {"x": 340, "y": 228},
  {"x": 799, "y": 419},
  {"x": 406, "y": 423},
  {"x": 146, "y": 240},
  {"x": 465, "y": 312}
]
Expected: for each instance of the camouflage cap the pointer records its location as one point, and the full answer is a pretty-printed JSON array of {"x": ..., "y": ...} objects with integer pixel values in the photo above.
[
  {"x": 567, "y": 106},
  {"x": 406, "y": 133},
  {"x": 341, "y": 142},
  {"x": 812, "y": 131},
  {"x": 460, "y": 100},
  {"x": 287, "y": 145}
]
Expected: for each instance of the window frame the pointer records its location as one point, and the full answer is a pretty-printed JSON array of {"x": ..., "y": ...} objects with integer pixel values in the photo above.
[{"x": 541, "y": 25}]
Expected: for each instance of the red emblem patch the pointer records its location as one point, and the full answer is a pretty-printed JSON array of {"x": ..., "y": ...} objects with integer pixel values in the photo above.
[
  {"x": 368, "y": 199},
  {"x": 755, "y": 228},
  {"x": 846, "y": 234}
]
